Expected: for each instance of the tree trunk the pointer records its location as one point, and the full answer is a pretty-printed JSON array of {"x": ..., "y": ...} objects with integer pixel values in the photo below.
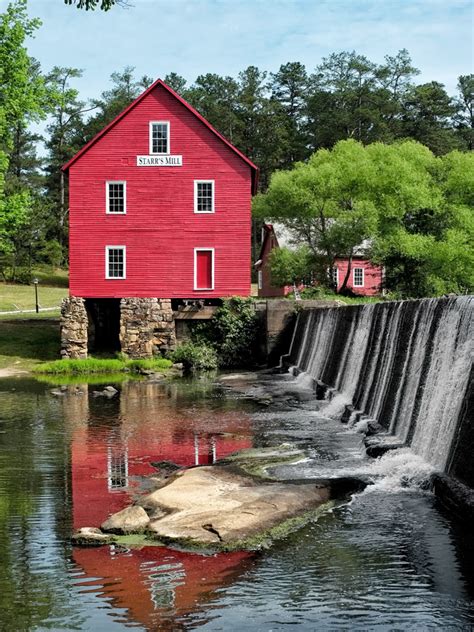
[{"x": 348, "y": 274}]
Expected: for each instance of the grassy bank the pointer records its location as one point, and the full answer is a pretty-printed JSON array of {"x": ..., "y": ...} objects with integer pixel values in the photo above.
[
  {"x": 25, "y": 343},
  {"x": 102, "y": 365},
  {"x": 22, "y": 297}
]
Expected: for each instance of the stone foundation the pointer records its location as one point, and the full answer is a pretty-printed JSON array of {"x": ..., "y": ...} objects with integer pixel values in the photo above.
[
  {"x": 74, "y": 325},
  {"x": 147, "y": 327}
]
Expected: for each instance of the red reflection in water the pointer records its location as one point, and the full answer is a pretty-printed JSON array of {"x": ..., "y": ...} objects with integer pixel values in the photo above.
[
  {"x": 156, "y": 585},
  {"x": 112, "y": 445},
  {"x": 115, "y": 441}
]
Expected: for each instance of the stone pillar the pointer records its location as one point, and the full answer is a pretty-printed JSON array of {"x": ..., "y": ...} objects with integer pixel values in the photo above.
[
  {"x": 73, "y": 328},
  {"x": 147, "y": 327}
]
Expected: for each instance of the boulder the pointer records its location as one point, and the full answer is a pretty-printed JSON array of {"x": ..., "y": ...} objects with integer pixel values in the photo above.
[
  {"x": 90, "y": 536},
  {"x": 221, "y": 505},
  {"x": 132, "y": 519}
]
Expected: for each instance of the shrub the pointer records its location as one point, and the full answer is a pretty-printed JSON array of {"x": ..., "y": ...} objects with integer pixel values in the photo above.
[
  {"x": 195, "y": 357},
  {"x": 232, "y": 332}
]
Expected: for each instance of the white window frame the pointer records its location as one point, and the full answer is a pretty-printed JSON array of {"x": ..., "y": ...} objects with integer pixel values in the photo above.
[
  {"x": 335, "y": 275},
  {"x": 110, "y": 474},
  {"x": 124, "y": 248},
  {"x": 260, "y": 279},
  {"x": 107, "y": 197},
  {"x": 150, "y": 138},
  {"x": 354, "y": 284},
  {"x": 196, "y": 250},
  {"x": 196, "y": 183}
]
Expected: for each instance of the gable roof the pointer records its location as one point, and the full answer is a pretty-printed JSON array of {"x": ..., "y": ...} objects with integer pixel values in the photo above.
[{"x": 157, "y": 83}]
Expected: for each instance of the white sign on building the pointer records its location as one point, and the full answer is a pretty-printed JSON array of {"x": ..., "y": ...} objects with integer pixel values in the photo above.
[{"x": 159, "y": 161}]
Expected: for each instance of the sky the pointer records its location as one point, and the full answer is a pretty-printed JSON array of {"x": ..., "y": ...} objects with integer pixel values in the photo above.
[{"x": 193, "y": 37}]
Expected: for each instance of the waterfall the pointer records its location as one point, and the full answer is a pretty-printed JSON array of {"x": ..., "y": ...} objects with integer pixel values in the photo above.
[{"x": 403, "y": 364}]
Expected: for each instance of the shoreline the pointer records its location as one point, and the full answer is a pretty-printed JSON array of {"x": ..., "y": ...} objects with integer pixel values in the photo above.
[{"x": 13, "y": 372}]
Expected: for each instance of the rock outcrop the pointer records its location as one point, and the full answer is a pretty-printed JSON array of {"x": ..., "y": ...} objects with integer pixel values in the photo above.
[{"x": 132, "y": 519}]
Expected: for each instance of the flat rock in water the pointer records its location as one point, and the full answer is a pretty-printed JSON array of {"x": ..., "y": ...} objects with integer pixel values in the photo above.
[
  {"x": 220, "y": 505},
  {"x": 132, "y": 519},
  {"x": 91, "y": 536}
]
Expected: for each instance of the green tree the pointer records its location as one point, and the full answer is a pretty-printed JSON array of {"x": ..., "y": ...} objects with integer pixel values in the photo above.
[
  {"x": 125, "y": 89},
  {"x": 289, "y": 88},
  {"x": 290, "y": 266},
  {"x": 215, "y": 97},
  {"x": 22, "y": 93},
  {"x": 176, "y": 82},
  {"x": 352, "y": 97},
  {"x": 398, "y": 204},
  {"x": 326, "y": 204},
  {"x": 464, "y": 118},
  {"x": 428, "y": 115},
  {"x": 64, "y": 141}
]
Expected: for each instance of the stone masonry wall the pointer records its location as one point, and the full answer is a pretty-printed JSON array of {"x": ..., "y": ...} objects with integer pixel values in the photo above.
[
  {"x": 73, "y": 328},
  {"x": 147, "y": 327}
]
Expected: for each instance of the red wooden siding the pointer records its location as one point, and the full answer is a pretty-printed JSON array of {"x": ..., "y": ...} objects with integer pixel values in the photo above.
[
  {"x": 372, "y": 276},
  {"x": 160, "y": 228}
]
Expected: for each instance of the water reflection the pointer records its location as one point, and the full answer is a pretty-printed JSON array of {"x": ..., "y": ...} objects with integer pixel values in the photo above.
[
  {"x": 156, "y": 586},
  {"x": 387, "y": 561},
  {"x": 115, "y": 441}
]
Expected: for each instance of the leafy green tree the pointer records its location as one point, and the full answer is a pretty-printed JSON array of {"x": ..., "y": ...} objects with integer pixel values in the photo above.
[
  {"x": 426, "y": 243},
  {"x": 326, "y": 204},
  {"x": 407, "y": 209},
  {"x": 22, "y": 93},
  {"x": 232, "y": 332},
  {"x": 290, "y": 266}
]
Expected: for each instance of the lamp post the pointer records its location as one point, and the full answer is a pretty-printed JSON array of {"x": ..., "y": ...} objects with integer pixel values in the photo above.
[{"x": 35, "y": 282}]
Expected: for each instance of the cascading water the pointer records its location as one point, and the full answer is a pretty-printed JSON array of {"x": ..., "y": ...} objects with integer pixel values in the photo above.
[{"x": 404, "y": 364}]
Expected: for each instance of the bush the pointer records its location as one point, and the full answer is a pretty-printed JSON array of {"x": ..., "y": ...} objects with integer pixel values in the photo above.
[
  {"x": 233, "y": 332},
  {"x": 195, "y": 357}
]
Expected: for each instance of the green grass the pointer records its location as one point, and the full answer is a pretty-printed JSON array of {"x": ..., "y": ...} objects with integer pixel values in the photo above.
[
  {"x": 25, "y": 343},
  {"x": 101, "y": 365},
  {"x": 22, "y": 297},
  {"x": 53, "y": 277}
]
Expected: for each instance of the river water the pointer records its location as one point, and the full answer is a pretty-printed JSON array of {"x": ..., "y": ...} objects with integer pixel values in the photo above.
[{"x": 388, "y": 560}]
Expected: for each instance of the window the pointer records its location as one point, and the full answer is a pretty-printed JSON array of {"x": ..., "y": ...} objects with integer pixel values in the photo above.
[
  {"x": 335, "y": 277},
  {"x": 117, "y": 468},
  {"x": 204, "y": 196},
  {"x": 116, "y": 196},
  {"x": 115, "y": 262},
  {"x": 159, "y": 137},
  {"x": 358, "y": 277},
  {"x": 260, "y": 279},
  {"x": 204, "y": 268}
]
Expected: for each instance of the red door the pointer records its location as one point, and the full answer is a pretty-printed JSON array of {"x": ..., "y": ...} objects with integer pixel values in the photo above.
[{"x": 204, "y": 270}]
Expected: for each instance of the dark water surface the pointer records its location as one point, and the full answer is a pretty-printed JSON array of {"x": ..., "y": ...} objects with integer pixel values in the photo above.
[{"x": 388, "y": 560}]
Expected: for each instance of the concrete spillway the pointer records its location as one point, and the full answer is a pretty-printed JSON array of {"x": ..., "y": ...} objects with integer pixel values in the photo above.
[{"x": 406, "y": 365}]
